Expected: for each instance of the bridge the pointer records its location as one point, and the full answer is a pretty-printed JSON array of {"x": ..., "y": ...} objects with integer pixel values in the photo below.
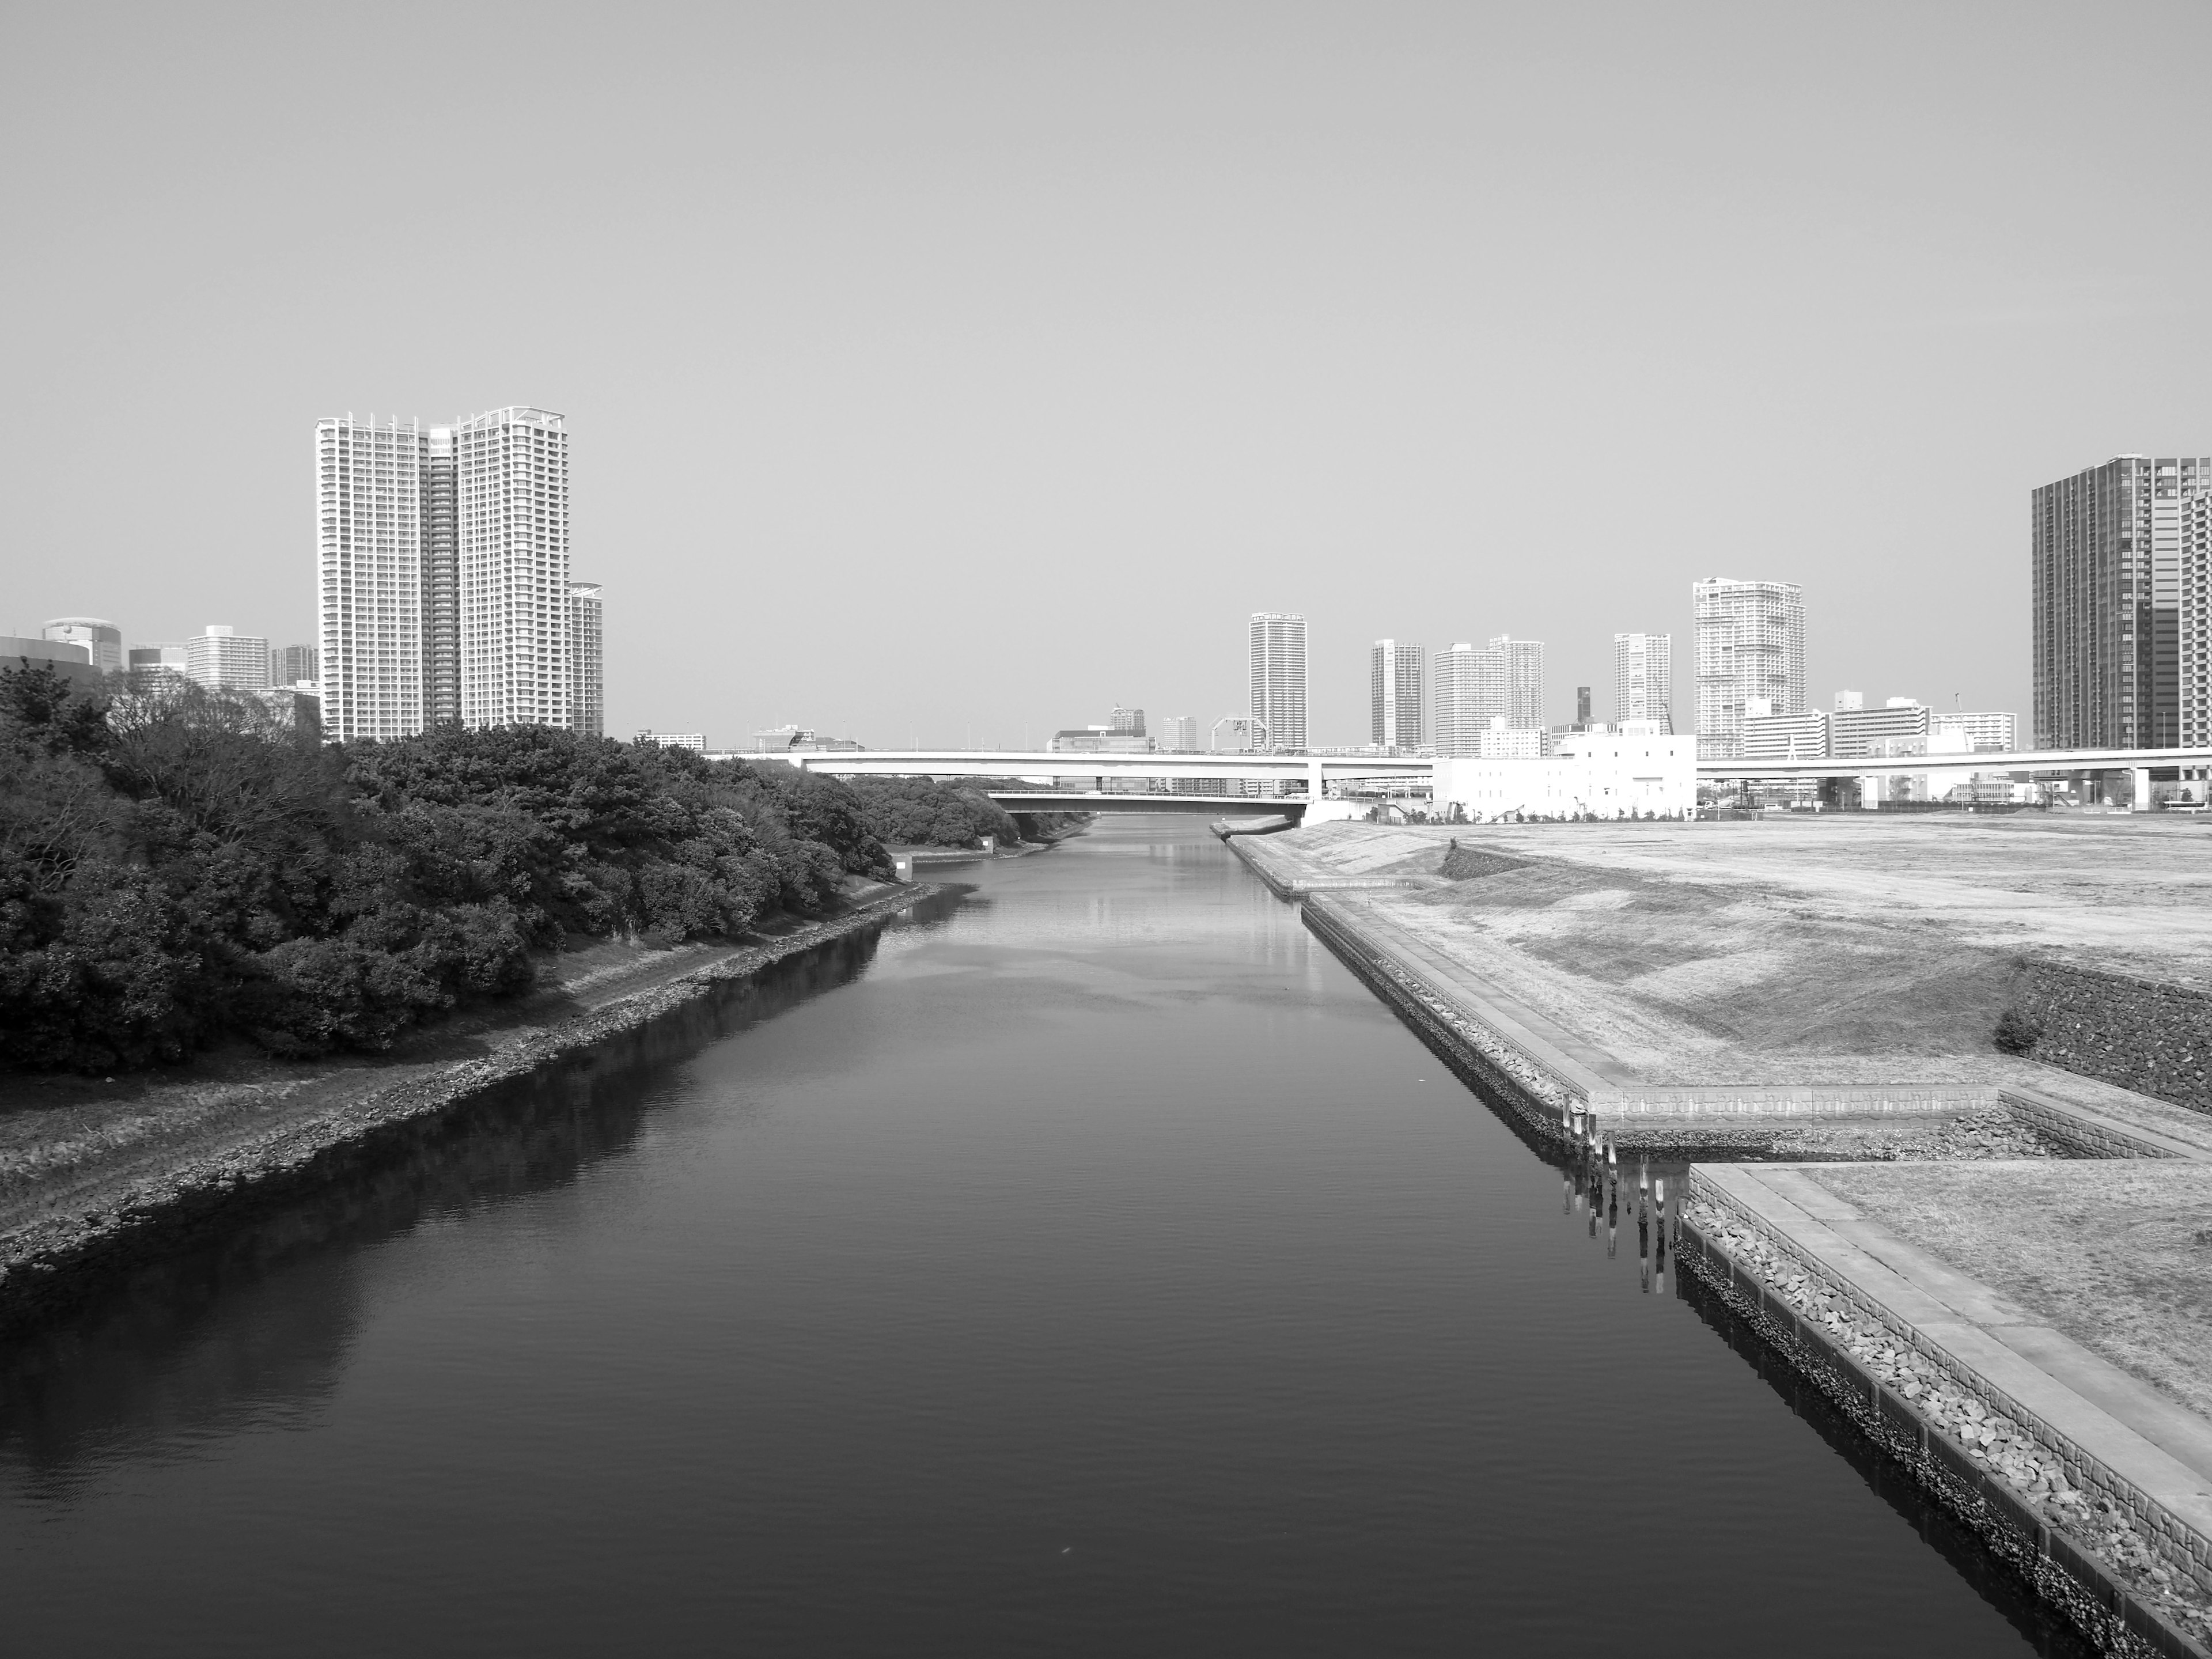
[{"x": 1037, "y": 780}]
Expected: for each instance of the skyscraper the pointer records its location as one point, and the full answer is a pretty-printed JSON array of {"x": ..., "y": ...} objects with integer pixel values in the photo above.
[
  {"x": 369, "y": 555},
  {"x": 587, "y": 659},
  {"x": 1397, "y": 688},
  {"x": 1524, "y": 661},
  {"x": 2195, "y": 619},
  {"x": 103, "y": 641},
  {"x": 2106, "y": 569},
  {"x": 1278, "y": 657},
  {"x": 1751, "y": 643},
  {"x": 441, "y": 586},
  {"x": 1643, "y": 678},
  {"x": 511, "y": 501},
  {"x": 1471, "y": 692},
  {"x": 1179, "y": 733},
  {"x": 1126, "y": 722}
]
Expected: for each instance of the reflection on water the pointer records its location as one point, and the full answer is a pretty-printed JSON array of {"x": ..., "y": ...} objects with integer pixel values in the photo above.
[{"x": 1085, "y": 1263}]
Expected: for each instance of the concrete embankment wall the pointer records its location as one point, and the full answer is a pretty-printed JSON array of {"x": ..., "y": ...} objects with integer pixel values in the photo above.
[
  {"x": 1803, "y": 1308},
  {"x": 2154, "y": 1038}
]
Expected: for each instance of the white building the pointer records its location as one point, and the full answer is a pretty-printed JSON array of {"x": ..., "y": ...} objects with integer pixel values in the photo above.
[
  {"x": 1277, "y": 652},
  {"x": 1785, "y": 737},
  {"x": 1643, "y": 678},
  {"x": 1522, "y": 661},
  {"x": 1503, "y": 742},
  {"x": 102, "y": 640},
  {"x": 1751, "y": 643},
  {"x": 1634, "y": 772},
  {"x": 168, "y": 658},
  {"x": 1984, "y": 733},
  {"x": 223, "y": 660},
  {"x": 511, "y": 468},
  {"x": 1179, "y": 733},
  {"x": 1470, "y": 694},
  {"x": 587, "y": 659},
  {"x": 369, "y": 551},
  {"x": 675, "y": 739},
  {"x": 1397, "y": 683}
]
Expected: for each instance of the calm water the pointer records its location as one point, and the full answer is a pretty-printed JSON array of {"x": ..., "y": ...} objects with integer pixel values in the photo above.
[{"x": 1087, "y": 1265}]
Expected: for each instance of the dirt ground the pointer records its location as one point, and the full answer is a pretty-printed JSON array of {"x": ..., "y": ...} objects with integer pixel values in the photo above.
[
  {"x": 2116, "y": 1254},
  {"x": 1834, "y": 950}
]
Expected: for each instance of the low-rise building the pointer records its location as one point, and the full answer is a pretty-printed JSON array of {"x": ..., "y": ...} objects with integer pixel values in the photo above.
[
  {"x": 164, "y": 659},
  {"x": 1786, "y": 736},
  {"x": 1985, "y": 734},
  {"x": 1899, "y": 728},
  {"x": 1633, "y": 771},
  {"x": 67, "y": 659},
  {"x": 696, "y": 740},
  {"x": 223, "y": 660}
]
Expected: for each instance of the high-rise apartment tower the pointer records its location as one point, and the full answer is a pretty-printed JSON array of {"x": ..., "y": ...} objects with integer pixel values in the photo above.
[
  {"x": 1525, "y": 681},
  {"x": 441, "y": 584},
  {"x": 1397, "y": 682},
  {"x": 1470, "y": 694},
  {"x": 223, "y": 660},
  {"x": 587, "y": 659},
  {"x": 368, "y": 498},
  {"x": 2106, "y": 562},
  {"x": 1751, "y": 643},
  {"x": 511, "y": 501},
  {"x": 1643, "y": 678},
  {"x": 1278, "y": 660},
  {"x": 2195, "y": 668}
]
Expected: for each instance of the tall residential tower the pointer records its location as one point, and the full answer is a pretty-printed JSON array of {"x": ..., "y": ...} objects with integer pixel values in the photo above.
[
  {"x": 1750, "y": 644},
  {"x": 1643, "y": 678},
  {"x": 511, "y": 501},
  {"x": 1397, "y": 681},
  {"x": 1278, "y": 660},
  {"x": 368, "y": 546},
  {"x": 2106, "y": 556}
]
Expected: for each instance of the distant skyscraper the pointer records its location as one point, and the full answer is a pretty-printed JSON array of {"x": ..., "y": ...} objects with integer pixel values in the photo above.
[
  {"x": 1643, "y": 678},
  {"x": 1471, "y": 692},
  {"x": 224, "y": 662},
  {"x": 1397, "y": 689},
  {"x": 2106, "y": 559},
  {"x": 2195, "y": 670},
  {"x": 1278, "y": 658},
  {"x": 1525, "y": 681},
  {"x": 1179, "y": 733},
  {"x": 1581, "y": 705},
  {"x": 369, "y": 554},
  {"x": 1126, "y": 722},
  {"x": 290, "y": 664},
  {"x": 441, "y": 582},
  {"x": 587, "y": 659},
  {"x": 1751, "y": 643},
  {"x": 512, "y": 565},
  {"x": 103, "y": 641}
]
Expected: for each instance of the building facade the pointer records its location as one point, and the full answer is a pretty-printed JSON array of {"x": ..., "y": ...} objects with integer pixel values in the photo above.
[
  {"x": 511, "y": 543},
  {"x": 2193, "y": 663},
  {"x": 441, "y": 579},
  {"x": 1397, "y": 687},
  {"x": 1900, "y": 727},
  {"x": 1606, "y": 775},
  {"x": 289, "y": 664},
  {"x": 1126, "y": 722},
  {"x": 369, "y": 499},
  {"x": 587, "y": 659},
  {"x": 2106, "y": 560},
  {"x": 1751, "y": 643},
  {"x": 223, "y": 660},
  {"x": 692, "y": 740},
  {"x": 1643, "y": 678},
  {"x": 164, "y": 659},
  {"x": 1179, "y": 733},
  {"x": 1277, "y": 652},
  {"x": 1983, "y": 733},
  {"x": 102, "y": 640},
  {"x": 1785, "y": 737},
  {"x": 1470, "y": 693},
  {"x": 1523, "y": 663}
]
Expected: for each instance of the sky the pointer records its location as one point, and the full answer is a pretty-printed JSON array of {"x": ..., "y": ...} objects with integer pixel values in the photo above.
[{"x": 949, "y": 372}]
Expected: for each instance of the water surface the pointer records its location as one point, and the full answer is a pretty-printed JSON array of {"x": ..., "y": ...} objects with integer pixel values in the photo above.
[{"x": 1087, "y": 1264}]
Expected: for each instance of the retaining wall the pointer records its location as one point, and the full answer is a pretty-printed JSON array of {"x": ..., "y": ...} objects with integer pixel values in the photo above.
[{"x": 2152, "y": 1037}]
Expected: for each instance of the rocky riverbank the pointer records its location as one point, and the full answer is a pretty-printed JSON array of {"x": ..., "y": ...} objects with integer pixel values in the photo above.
[{"x": 71, "y": 1209}]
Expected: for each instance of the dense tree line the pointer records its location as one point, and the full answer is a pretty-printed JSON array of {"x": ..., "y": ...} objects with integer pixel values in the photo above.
[
  {"x": 177, "y": 866},
  {"x": 916, "y": 812}
]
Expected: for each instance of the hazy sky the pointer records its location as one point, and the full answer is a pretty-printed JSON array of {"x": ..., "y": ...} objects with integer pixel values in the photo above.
[{"x": 952, "y": 370}]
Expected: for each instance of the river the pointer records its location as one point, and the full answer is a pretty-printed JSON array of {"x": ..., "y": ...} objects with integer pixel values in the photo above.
[{"x": 1084, "y": 1264}]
